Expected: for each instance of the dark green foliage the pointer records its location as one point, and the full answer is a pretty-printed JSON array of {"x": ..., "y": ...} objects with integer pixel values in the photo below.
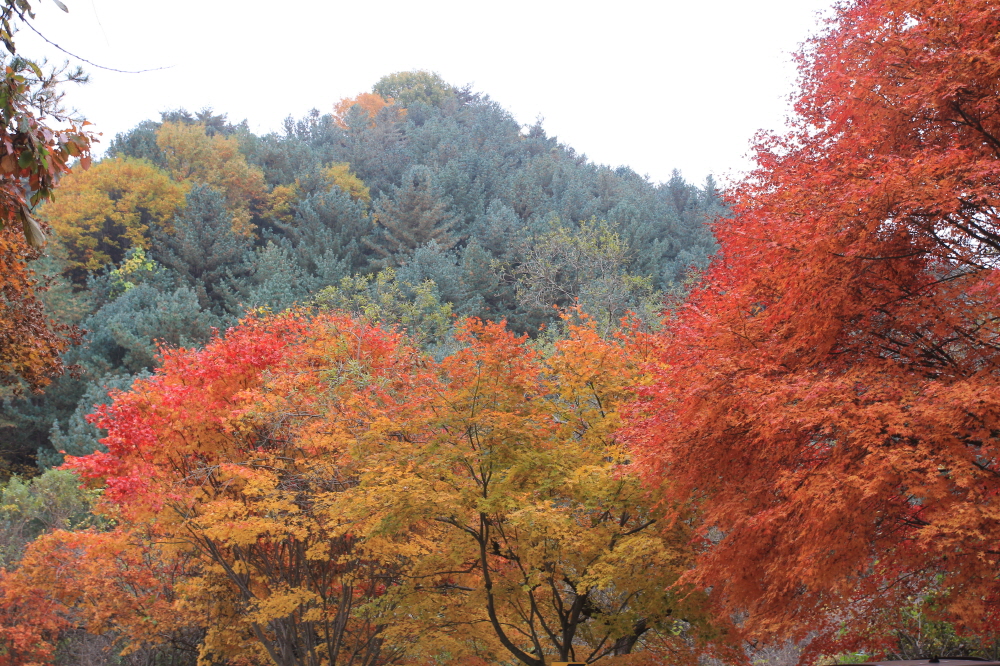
[
  {"x": 64, "y": 301},
  {"x": 283, "y": 159},
  {"x": 325, "y": 237},
  {"x": 202, "y": 247},
  {"x": 463, "y": 181},
  {"x": 484, "y": 293},
  {"x": 416, "y": 213},
  {"x": 471, "y": 280},
  {"x": 320, "y": 133},
  {"x": 25, "y": 423},
  {"x": 215, "y": 123},
  {"x": 691, "y": 243},
  {"x": 377, "y": 154},
  {"x": 434, "y": 263},
  {"x": 126, "y": 333},
  {"x": 273, "y": 280},
  {"x": 479, "y": 156}
]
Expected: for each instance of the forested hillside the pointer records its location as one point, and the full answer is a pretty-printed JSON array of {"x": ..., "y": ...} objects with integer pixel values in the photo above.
[
  {"x": 368, "y": 397},
  {"x": 415, "y": 202}
]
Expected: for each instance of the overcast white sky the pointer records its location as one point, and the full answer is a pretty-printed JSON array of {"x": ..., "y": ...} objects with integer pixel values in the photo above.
[{"x": 652, "y": 85}]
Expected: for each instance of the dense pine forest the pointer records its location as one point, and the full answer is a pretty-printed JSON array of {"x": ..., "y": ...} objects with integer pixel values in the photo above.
[
  {"x": 418, "y": 192},
  {"x": 409, "y": 384}
]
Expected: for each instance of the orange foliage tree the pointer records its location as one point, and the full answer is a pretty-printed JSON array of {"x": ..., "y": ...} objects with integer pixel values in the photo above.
[
  {"x": 830, "y": 395},
  {"x": 223, "y": 456},
  {"x": 104, "y": 582},
  {"x": 32, "y": 158},
  {"x": 31, "y": 343},
  {"x": 369, "y": 104},
  {"x": 313, "y": 490}
]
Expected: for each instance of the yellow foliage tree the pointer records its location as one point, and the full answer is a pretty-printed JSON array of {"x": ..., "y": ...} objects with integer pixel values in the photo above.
[
  {"x": 341, "y": 176},
  {"x": 283, "y": 199},
  {"x": 104, "y": 211},
  {"x": 281, "y": 202},
  {"x": 194, "y": 156},
  {"x": 536, "y": 540}
]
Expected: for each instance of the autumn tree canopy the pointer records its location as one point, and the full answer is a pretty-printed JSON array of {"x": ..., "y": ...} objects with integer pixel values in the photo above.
[
  {"x": 283, "y": 569},
  {"x": 817, "y": 423},
  {"x": 537, "y": 544},
  {"x": 191, "y": 154},
  {"x": 311, "y": 489},
  {"x": 224, "y": 527},
  {"x": 30, "y": 342},
  {"x": 368, "y": 104},
  {"x": 35, "y": 152},
  {"x": 452, "y": 192},
  {"x": 829, "y": 394},
  {"x": 414, "y": 86},
  {"x": 103, "y": 212}
]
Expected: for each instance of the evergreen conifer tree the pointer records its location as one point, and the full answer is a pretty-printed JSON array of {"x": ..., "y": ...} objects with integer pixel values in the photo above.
[
  {"x": 324, "y": 236},
  {"x": 417, "y": 213},
  {"x": 273, "y": 280},
  {"x": 203, "y": 247},
  {"x": 139, "y": 143},
  {"x": 125, "y": 334}
]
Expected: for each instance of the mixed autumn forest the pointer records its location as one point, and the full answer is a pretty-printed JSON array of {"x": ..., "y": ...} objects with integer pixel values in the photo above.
[{"x": 410, "y": 383}]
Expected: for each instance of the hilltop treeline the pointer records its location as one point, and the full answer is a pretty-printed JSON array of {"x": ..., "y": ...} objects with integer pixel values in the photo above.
[{"x": 410, "y": 204}]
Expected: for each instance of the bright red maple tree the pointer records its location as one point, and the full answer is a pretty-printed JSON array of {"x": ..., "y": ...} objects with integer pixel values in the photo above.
[{"x": 829, "y": 395}]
